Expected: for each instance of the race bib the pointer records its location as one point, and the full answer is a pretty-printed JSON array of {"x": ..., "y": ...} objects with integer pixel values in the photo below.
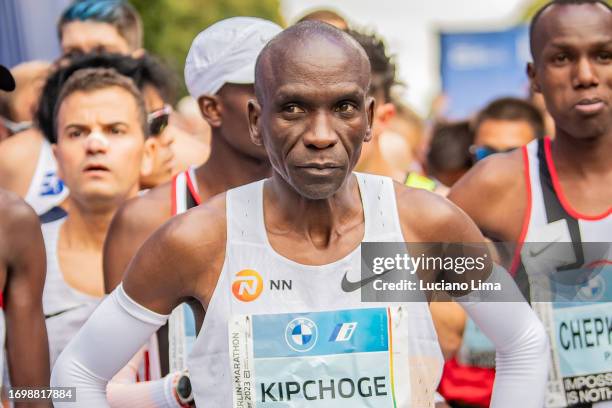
[{"x": 345, "y": 358}]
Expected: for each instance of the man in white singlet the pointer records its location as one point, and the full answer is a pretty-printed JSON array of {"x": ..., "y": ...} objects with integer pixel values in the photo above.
[
  {"x": 560, "y": 191},
  {"x": 22, "y": 276},
  {"x": 219, "y": 74},
  {"x": 276, "y": 264}
]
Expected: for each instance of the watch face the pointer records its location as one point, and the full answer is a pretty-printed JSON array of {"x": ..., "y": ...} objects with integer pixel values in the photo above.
[{"x": 183, "y": 388}]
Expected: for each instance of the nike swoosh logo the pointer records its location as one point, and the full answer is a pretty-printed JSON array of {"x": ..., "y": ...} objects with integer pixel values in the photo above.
[
  {"x": 537, "y": 251},
  {"x": 348, "y": 286},
  {"x": 55, "y": 314}
]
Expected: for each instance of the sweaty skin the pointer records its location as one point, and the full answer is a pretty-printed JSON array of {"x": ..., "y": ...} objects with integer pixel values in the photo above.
[
  {"x": 22, "y": 277},
  {"x": 572, "y": 62}
]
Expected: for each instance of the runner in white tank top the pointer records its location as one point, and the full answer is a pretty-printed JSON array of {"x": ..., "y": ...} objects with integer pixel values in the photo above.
[
  {"x": 66, "y": 308},
  {"x": 46, "y": 189},
  {"x": 315, "y": 221}
]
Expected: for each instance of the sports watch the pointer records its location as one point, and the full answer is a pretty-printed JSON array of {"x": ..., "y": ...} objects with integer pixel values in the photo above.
[{"x": 182, "y": 388}]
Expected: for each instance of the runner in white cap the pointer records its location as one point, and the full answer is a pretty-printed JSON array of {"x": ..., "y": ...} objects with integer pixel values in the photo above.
[
  {"x": 276, "y": 264},
  {"x": 219, "y": 73},
  {"x": 22, "y": 276}
]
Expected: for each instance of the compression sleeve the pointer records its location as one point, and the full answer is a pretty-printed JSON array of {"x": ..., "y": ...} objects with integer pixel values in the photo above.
[
  {"x": 521, "y": 344},
  {"x": 106, "y": 342}
]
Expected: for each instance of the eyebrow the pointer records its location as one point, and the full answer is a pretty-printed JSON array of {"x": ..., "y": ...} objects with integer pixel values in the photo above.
[
  {"x": 299, "y": 92},
  {"x": 106, "y": 125},
  {"x": 570, "y": 44}
]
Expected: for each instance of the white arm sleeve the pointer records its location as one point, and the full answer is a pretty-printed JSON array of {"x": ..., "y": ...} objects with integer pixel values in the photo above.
[
  {"x": 521, "y": 344},
  {"x": 106, "y": 342}
]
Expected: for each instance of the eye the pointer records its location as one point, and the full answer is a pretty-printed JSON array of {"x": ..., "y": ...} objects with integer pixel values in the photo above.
[
  {"x": 561, "y": 58},
  {"x": 604, "y": 56},
  {"x": 293, "y": 108},
  {"x": 75, "y": 133},
  {"x": 346, "y": 108},
  {"x": 117, "y": 130}
]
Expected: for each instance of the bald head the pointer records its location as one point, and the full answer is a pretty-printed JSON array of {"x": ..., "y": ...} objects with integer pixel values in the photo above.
[
  {"x": 312, "y": 45},
  {"x": 550, "y": 14}
]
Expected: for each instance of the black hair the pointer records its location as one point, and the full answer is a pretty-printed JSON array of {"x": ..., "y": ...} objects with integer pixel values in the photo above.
[
  {"x": 143, "y": 71},
  {"x": 382, "y": 64},
  {"x": 449, "y": 149},
  {"x": 512, "y": 109},
  {"x": 538, "y": 14}
]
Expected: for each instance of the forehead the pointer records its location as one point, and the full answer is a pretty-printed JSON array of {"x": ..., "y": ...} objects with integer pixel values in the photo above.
[
  {"x": 108, "y": 105},
  {"x": 316, "y": 67},
  {"x": 91, "y": 33},
  {"x": 573, "y": 25}
]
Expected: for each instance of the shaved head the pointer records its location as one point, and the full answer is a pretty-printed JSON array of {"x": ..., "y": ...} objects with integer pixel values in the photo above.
[{"x": 307, "y": 42}]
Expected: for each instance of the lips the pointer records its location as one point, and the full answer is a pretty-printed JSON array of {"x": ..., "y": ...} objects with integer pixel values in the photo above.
[
  {"x": 590, "y": 106},
  {"x": 95, "y": 167}
]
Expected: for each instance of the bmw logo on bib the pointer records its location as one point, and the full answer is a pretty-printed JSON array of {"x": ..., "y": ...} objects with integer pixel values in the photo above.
[{"x": 301, "y": 334}]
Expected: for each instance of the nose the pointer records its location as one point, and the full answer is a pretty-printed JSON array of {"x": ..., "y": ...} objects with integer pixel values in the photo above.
[
  {"x": 585, "y": 75},
  {"x": 96, "y": 142},
  {"x": 322, "y": 134}
]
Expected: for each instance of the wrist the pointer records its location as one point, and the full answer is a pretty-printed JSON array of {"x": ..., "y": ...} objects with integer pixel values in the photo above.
[{"x": 181, "y": 390}]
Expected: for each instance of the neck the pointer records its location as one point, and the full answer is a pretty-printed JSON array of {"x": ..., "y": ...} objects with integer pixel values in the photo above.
[
  {"x": 317, "y": 221},
  {"x": 86, "y": 227},
  {"x": 583, "y": 156},
  {"x": 227, "y": 168}
]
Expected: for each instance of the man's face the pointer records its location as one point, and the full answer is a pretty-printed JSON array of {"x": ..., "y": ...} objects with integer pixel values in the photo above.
[
  {"x": 158, "y": 146},
  {"x": 572, "y": 47},
  {"x": 502, "y": 135},
  {"x": 234, "y": 100},
  {"x": 84, "y": 37},
  {"x": 100, "y": 144},
  {"x": 315, "y": 116}
]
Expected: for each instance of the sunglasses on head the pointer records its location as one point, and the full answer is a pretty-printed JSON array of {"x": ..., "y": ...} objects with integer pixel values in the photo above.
[
  {"x": 15, "y": 127},
  {"x": 480, "y": 152},
  {"x": 158, "y": 120}
]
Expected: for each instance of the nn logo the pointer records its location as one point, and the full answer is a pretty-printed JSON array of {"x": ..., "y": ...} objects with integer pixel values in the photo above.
[{"x": 247, "y": 285}]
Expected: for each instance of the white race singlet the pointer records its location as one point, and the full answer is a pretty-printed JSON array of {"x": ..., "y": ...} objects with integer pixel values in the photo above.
[
  {"x": 66, "y": 309},
  {"x": 46, "y": 189},
  {"x": 280, "y": 333},
  {"x": 578, "y": 316}
]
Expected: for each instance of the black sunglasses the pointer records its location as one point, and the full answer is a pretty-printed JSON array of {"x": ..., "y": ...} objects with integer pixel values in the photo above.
[{"x": 158, "y": 120}]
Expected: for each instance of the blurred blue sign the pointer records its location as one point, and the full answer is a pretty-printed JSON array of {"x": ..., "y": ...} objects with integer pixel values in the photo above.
[{"x": 477, "y": 67}]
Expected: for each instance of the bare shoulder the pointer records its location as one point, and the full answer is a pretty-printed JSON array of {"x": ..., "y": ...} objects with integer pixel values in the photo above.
[
  {"x": 16, "y": 212},
  {"x": 429, "y": 217},
  {"x": 491, "y": 176},
  {"x": 18, "y": 158},
  {"x": 188, "y": 251},
  {"x": 148, "y": 211},
  {"x": 494, "y": 194}
]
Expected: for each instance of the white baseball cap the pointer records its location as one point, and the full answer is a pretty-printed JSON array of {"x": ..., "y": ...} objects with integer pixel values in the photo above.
[{"x": 226, "y": 53}]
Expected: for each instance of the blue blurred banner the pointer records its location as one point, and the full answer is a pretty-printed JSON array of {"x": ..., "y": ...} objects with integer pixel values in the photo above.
[
  {"x": 477, "y": 67},
  {"x": 28, "y": 30}
]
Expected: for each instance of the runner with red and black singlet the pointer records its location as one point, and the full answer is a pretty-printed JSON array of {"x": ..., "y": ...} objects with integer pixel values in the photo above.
[
  {"x": 219, "y": 74},
  {"x": 556, "y": 191}
]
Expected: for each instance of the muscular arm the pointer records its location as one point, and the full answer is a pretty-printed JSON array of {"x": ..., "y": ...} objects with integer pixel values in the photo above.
[
  {"x": 520, "y": 339},
  {"x": 26, "y": 334},
  {"x": 133, "y": 223},
  {"x": 181, "y": 260}
]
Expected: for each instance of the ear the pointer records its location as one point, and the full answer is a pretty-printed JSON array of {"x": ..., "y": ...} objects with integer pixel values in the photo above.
[
  {"x": 254, "y": 117},
  {"x": 531, "y": 74},
  {"x": 370, "y": 109},
  {"x": 56, "y": 154},
  {"x": 148, "y": 156},
  {"x": 211, "y": 109},
  {"x": 384, "y": 113}
]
